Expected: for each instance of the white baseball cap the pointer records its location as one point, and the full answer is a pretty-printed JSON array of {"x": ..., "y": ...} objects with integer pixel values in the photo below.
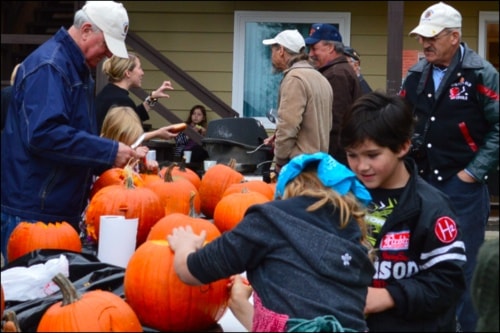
[
  {"x": 291, "y": 39},
  {"x": 436, "y": 18},
  {"x": 111, "y": 17}
]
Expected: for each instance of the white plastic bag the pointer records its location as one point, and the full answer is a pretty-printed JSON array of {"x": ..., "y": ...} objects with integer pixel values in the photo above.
[{"x": 29, "y": 283}]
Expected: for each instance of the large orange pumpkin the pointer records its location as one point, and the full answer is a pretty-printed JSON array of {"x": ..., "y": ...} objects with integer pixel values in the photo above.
[
  {"x": 129, "y": 201},
  {"x": 27, "y": 237},
  {"x": 94, "y": 311},
  {"x": 231, "y": 208},
  {"x": 162, "y": 301},
  {"x": 213, "y": 184}
]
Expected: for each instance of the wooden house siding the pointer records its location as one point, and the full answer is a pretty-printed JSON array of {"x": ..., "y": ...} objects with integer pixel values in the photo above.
[{"x": 198, "y": 37}]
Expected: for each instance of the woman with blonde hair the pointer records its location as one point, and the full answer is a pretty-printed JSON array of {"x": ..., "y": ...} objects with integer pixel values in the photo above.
[{"x": 124, "y": 74}]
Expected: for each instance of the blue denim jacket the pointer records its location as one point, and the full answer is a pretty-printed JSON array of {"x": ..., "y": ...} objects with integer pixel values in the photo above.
[{"x": 50, "y": 146}]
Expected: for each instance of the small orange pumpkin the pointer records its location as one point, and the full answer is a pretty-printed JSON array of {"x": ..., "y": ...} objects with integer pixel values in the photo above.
[
  {"x": 27, "y": 237},
  {"x": 175, "y": 193},
  {"x": 213, "y": 184},
  {"x": 183, "y": 171},
  {"x": 232, "y": 208},
  {"x": 148, "y": 178},
  {"x": 251, "y": 185},
  {"x": 114, "y": 176},
  {"x": 94, "y": 311}
]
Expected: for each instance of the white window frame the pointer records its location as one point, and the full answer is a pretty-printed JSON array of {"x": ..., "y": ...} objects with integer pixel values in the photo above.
[
  {"x": 484, "y": 19},
  {"x": 343, "y": 19}
]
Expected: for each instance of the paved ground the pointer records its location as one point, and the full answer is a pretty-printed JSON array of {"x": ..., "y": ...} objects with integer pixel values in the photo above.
[{"x": 491, "y": 234}]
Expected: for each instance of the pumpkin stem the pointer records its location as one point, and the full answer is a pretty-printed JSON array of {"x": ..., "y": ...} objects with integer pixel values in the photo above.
[
  {"x": 11, "y": 324},
  {"x": 168, "y": 174},
  {"x": 70, "y": 294},
  {"x": 192, "y": 210},
  {"x": 232, "y": 163},
  {"x": 183, "y": 166},
  {"x": 132, "y": 162},
  {"x": 129, "y": 178}
]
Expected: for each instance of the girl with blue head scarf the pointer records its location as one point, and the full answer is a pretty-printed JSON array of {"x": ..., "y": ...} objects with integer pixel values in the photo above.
[{"x": 305, "y": 255}]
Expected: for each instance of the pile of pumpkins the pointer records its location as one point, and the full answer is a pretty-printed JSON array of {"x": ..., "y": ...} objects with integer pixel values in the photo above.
[{"x": 154, "y": 295}]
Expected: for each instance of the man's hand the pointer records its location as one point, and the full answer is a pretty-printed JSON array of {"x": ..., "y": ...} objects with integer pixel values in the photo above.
[{"x": 125, "y": 154}]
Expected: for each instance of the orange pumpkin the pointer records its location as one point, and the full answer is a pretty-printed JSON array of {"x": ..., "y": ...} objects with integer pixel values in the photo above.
[
  {"x": 114, "y": 176},
  {"x": 94, "y": 311},
  {"x": 162, "y": 301},
  {"x": 165, "y": 225},
  {"x": 129, "y": 201},
  {"x": 183, "y": 171},
  {"x": 27, "y": 237},
  {"x": 253, "y": 186},
  {"x": 3, "y": 301},
  {"x": 213, "y": 184},
  {"x": 175, "y": 194},
  {"x": 231, "y": 209},
  {"x": 148, "y": 178}
]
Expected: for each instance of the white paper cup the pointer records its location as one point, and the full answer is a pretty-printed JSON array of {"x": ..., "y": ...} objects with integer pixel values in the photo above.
[
  {"x": 117, "y": 239},
  {"x": 151, "y": 155},
  {"x": 187, "y": 155},
  {"x": 207, "y": 164}
]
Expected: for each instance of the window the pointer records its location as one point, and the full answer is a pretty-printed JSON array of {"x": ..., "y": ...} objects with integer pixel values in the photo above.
[
  {"x": 488, "y": 37},
  {"x": 255, "y": 87}
]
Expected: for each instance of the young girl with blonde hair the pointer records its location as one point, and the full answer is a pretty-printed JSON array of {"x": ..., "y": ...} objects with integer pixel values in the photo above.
[{"x": 122, "y": 124}]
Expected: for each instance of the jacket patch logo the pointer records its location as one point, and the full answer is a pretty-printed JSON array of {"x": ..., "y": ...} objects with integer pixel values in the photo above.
[
  {"x": 395, "y": 241},
  {"x": 458, "y": 91},
  {"x": 346, "y": 259},
  {"x": 446, "y": 229}
]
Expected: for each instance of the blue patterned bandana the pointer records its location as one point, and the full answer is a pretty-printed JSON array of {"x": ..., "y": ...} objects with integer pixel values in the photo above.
[{"x": 331, "y": 173}]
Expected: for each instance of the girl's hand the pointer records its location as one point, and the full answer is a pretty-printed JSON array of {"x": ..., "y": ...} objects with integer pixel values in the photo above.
[
  {"x": 142, "y": 151},
  {"x": 152, "y": 166},
  {"x": 184, "y": 239},
  {"x": 202, "y": 130},
  {"x": 240, "y": 288}
]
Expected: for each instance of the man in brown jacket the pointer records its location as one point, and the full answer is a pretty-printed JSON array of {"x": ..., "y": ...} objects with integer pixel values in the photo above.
[
  {"x": 327, "y": 51},
  {"x": 304, "y": 102}
]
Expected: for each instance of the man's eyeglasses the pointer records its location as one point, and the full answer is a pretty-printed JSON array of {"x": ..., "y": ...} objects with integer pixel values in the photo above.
[{"x": 442, "y": 34}]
